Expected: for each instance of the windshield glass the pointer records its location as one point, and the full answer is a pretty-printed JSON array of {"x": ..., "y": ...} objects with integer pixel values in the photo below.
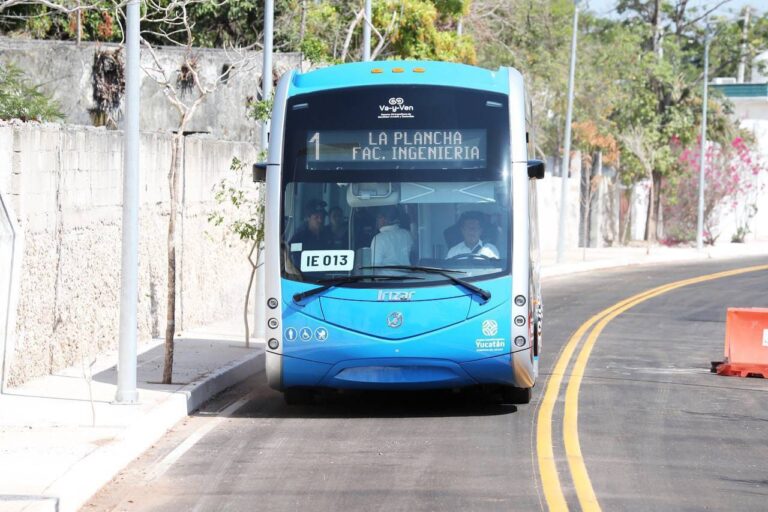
[{"x": 421, "y": 183}]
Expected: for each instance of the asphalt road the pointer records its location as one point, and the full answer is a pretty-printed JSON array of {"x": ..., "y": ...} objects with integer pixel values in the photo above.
[{"x": 657, "y": 430}]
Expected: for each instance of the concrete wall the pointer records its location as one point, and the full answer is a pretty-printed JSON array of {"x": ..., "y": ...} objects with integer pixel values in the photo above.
[
  {"x": 65, "y": 185},
  {"x": 548, "y": 192},
  {"x": 63, "y": 70}
]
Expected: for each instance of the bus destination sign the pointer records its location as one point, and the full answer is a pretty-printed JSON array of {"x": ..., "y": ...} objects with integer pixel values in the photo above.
[{"x": 428, "y": 148}]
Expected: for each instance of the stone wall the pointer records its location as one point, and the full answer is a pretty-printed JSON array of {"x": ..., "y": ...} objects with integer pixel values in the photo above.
[
  {"x": 63, "y": 70},
  {"x": 65, "y": 185}
]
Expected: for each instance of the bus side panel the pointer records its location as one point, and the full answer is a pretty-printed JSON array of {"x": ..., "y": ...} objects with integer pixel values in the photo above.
[
  {"x": 273, "y": 361},
  {"x": 522, "y": 361}
]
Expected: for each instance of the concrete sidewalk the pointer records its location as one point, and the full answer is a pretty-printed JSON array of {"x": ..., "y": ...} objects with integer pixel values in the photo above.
[
  {"x": 583, "y": 260},
  {"x": 62, "y": 438}
]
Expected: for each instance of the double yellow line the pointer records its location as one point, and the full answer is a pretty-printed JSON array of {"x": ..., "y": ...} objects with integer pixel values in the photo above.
[{"x": 550, "y": 480}]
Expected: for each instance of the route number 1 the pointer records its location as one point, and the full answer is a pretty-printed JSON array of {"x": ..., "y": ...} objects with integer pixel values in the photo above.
[{"x": 316, "y": 139}]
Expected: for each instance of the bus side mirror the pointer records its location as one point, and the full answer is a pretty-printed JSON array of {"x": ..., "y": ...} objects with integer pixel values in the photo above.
[
  {"x": 535, "y": 169},
  {"x": 260, "y": 172}
]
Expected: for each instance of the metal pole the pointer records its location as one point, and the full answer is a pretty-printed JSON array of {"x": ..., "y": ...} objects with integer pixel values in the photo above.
[
  {"x": 129, "y": 296},
  {"x": 743, "y": 48},
  {"x": 367, "y": 32},
  {"x": 259, "y": 291},
  {"x": 567, "y": 150},
  {"x": 702, "y": 184}
]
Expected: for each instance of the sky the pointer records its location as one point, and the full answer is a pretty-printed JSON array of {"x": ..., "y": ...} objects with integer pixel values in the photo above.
[{"x": 608, "y": 7}]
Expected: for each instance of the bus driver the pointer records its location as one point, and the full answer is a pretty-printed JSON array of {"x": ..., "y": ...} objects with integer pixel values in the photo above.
[{"x": 471, "y": 227}]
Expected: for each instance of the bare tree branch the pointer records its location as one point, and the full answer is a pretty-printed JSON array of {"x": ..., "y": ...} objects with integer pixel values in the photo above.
[
  {"x": 383, "y": 37},
  {"x": 350, "y": 31}
]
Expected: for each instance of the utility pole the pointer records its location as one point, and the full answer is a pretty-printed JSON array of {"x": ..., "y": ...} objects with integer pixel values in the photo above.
[
  {"x": 259, "y": 291},
  {"x": 743, "y": 50},
  {"x": 367, "y": 32},
  {"x": 129, "y": 271},
  {"x": 567, "y": 150},
  {"x": 702, "y": 184}
]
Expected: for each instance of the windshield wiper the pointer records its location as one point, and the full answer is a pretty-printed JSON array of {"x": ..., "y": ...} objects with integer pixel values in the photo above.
[
  {"x": 485, "y": 294},
  {"x": 330, "y": 283}
]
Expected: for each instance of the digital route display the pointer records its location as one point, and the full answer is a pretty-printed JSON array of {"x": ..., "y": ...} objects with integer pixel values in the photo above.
[{"x": 426, "y": 148}]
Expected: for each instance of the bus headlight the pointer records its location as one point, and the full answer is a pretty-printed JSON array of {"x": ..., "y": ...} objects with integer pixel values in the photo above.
[
  {"x": 273, "y": 323},
  {"x": 520, "y": 300},
  {"x": 272, "y": 303},
  {"x": 520, "y": 320},
  {"x": 273, "y": 343},
  {"x": 520, "y": 341}
]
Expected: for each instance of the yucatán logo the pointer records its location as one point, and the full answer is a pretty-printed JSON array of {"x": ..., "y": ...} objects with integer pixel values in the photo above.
[
  {"x": 395, "y": 108},
  {"x": 490, "y": 327},
  {"x": 491, "y": 343}
]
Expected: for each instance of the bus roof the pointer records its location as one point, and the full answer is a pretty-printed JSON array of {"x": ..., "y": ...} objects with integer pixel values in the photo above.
[{"x": 410, "y": 72}]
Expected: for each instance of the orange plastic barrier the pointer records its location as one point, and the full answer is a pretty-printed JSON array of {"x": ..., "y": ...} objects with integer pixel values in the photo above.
[{"x": 746, "y": 343}]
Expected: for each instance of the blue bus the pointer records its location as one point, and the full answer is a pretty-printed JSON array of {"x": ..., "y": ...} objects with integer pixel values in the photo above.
[{"x": 400, "y": 231}]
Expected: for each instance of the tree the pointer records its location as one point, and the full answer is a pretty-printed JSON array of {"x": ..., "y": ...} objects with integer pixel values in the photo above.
[
  {"x": 20, "y": 100},
  {"x": 533, "y": 37},
  {"x": 94, "y": 20},
  {"x": 331, "y": 31},
  {"x": 731, "y": 171},
  {"x": 597, "y": 148},
  {"x": 186, "y": 89},
  {"x": 241, "y": 214}
]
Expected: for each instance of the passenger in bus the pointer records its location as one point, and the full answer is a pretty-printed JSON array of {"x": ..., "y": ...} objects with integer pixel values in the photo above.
[
  {"x": 471, "y": 224},
  {"x": 313, "y": 235},
  {"x": 393, "y": 244},
  {"x": 338, "y": 228}
]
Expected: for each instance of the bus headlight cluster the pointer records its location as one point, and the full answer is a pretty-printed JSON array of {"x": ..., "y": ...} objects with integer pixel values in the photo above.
[
  {"x": 272, "y": 303},
  {"x": 520, "y": 341},
  {"x": 273, "y": 323},
  {"x": 273, "y": 343},
  {"x": 520, "y": 320}
]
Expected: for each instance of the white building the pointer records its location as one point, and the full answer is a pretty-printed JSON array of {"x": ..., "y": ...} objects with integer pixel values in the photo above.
[{"x": 750, "y": 105}]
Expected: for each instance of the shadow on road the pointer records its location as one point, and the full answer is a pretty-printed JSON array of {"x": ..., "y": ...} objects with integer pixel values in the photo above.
[{"x": 377, "y": 404}]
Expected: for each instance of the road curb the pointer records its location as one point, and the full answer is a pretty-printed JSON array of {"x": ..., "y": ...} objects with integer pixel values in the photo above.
[{"x": 87, "y": 476}]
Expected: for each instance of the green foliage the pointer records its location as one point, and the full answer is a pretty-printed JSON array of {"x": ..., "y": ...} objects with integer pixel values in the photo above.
[
  {"x": 424, "y": 29},
  {"x": 232, "y": 23},
  {"x": 19, "y": 100},
  {"x": 411, "y": 29},
  {"x": 452, "y": 8},
  {"x": 415, "y": 34},
  {"x": 260, "y": 110},
  {"x": 99, "y": 21},
  {"x": 314, "y": 50},
  {"x": 239, "y": 210}
]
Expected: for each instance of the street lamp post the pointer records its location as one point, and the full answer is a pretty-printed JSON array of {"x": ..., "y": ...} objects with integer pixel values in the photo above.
[
  {"x": 129, "y": 270},
  {"x": 259, "y": 291},
  {"x": 702, "y": 183},
  {"x": 567, "y": 149}
]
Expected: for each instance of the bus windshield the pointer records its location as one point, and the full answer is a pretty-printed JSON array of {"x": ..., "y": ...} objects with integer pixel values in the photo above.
[{"x": 396, "y": 176}]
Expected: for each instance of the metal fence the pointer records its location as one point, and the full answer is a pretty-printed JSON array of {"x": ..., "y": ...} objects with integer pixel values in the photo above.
[{"x": 10, "y": 259}]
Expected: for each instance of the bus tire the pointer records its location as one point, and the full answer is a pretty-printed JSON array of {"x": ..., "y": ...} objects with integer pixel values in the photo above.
[
  {"x": 298, "y": 396},
  {"x": 512, "y": 395}
]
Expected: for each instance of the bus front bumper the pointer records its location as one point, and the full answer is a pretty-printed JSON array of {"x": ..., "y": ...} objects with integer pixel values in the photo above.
[{"x": 406, "y": 373}]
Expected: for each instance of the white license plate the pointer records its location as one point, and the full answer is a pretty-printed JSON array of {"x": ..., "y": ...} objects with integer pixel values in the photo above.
[{"x": 324, "y": 261}]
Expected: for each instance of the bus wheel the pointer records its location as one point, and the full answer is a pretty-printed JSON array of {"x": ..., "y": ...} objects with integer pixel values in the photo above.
[
  {"x": 510, "y": 395},
  {"x": 298, "y": 396}
]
